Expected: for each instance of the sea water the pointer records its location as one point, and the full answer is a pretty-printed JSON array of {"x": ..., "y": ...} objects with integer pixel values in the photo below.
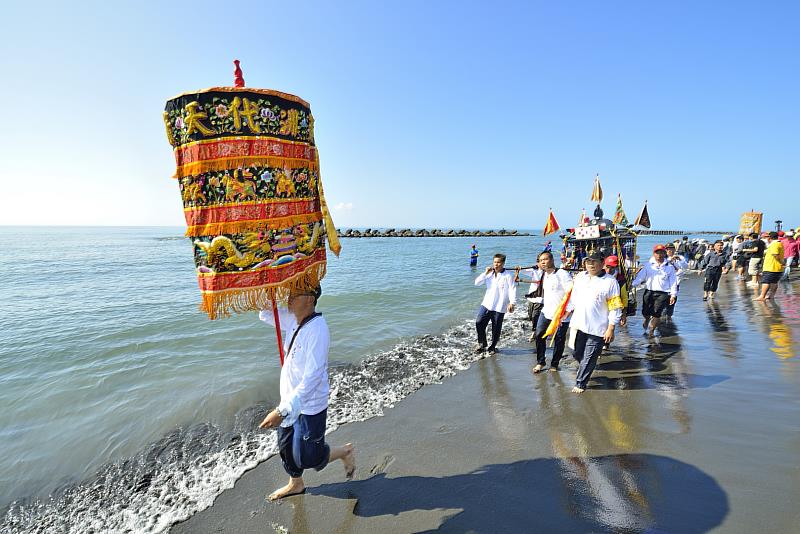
[{"x": 125, "y": 408}]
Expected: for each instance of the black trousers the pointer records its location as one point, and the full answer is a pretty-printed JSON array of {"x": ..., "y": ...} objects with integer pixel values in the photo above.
[
  {"x": 654, "y": 303},
  {"x": 484, "y": 317},
  {"x": 558, "y": 343},
  {"x": 713, "y": 275}
]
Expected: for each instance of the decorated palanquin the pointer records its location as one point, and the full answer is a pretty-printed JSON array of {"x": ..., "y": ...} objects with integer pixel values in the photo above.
[{"x": 248, "y": 173}]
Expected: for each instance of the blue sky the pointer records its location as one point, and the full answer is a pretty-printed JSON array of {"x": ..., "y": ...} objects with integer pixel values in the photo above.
[{"x": 428, "y": 114}]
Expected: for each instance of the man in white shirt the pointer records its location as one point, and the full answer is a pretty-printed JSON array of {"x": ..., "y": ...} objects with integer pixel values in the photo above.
[
  {"x": 302, "y": 413},
  {"x": 555, "y": 283},
  {"x": 501, "y": 292},
  {"x": 661, "y": 287},
  {"x": 680, "y": 264},
  {"x": 597, "y": 309}
]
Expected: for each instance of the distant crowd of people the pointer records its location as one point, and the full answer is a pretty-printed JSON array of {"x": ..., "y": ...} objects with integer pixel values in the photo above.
[
  {"x": 759, "y": 260},
  {"x": 586, "y": 306}
]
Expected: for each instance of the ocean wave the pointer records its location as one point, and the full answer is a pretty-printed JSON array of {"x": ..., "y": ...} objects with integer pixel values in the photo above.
[{"x": 183, "y": 472}]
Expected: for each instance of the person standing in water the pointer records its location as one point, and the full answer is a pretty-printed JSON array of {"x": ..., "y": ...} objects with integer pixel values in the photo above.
[
  {"x": 473, "y": 256},
  {"x": 301, "y": 416}
]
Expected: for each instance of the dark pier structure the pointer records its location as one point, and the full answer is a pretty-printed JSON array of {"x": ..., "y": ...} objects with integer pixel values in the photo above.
[{"x": 408, "y": 232}]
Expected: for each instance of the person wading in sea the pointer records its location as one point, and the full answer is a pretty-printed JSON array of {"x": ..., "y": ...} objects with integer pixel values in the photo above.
[
  {"x": 302, "y": 413},
  {"x": 501, "y": 292},
  {"x": 473, "y": 256}
]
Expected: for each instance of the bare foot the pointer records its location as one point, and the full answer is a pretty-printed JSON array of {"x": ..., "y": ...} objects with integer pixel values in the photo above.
[
  {"x": 294, "y": 487},
  {"x": 553, "y": 369},
  {"x": 578, "y": 390},
  {"x": 538, "y": 369},
  {"x": 349, "y": 461},
  {"x": 762, "y": 299}
]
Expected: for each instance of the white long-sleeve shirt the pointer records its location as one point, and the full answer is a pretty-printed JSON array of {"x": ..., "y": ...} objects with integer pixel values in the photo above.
[
  {"x": 501, "y": 290},
  {"x": 679, "y": 263},
  {"x": 555, "y": 286},
  {"x": 596, "y": 303},
  {"x": 658, "y": 277},
  {"x": 304, "y": 375}
]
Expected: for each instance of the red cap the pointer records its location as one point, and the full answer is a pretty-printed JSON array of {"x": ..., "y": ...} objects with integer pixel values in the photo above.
[
  {"x": 659, "y": 247},
  {"x": 612, "y": 261},
  {"x": 781, "y": 233}
]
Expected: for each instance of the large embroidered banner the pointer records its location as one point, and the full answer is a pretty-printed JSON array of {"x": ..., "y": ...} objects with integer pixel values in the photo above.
[{"x": 248, "y": 173}]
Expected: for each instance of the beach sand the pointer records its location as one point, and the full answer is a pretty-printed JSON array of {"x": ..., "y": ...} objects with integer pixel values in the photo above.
[{"x": 693, "y": 432}]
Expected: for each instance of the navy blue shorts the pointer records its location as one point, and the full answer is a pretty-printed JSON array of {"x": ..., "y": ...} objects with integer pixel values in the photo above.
[{"x": 302, "y": 445}]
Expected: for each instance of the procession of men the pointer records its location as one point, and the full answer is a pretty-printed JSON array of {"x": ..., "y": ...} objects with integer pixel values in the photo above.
[{"x": 581, "y": 306}]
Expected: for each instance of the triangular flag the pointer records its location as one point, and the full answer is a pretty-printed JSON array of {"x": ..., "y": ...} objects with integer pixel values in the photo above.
[
  {"x": 597, "y": 191},
  {"x": 557, "y": 316},
  {"x": 644, "y": 218},
  {"x": 619, "y": 215},
  {"x": 552, "y": 224}
]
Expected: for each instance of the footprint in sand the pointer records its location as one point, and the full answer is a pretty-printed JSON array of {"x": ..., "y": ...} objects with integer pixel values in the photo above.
[{"x": 383, "y": 466}]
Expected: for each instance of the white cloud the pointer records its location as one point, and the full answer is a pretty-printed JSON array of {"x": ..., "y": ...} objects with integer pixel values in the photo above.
[{"x": 343, "y": 206}]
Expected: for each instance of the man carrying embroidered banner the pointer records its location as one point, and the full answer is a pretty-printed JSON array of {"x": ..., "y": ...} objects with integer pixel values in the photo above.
[{"x": 301, "y": 416}]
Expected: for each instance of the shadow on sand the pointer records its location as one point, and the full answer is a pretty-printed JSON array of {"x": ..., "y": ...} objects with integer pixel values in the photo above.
[{"x": 616, "y": 493}]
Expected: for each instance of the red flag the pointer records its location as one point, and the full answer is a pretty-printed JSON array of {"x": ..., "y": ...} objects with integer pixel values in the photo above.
[{"x": 552, "y": 224}]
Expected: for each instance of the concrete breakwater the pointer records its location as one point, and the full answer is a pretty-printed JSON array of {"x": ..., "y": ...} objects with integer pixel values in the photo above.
[{"x": 408, "y": 232}]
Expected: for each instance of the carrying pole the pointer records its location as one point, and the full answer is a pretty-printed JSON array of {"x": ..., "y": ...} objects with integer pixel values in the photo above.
[{"x": 278, "y": 329}]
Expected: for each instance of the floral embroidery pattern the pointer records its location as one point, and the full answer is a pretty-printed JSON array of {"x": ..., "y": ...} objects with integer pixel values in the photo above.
[
  {"x": 215, "y": 114},
  {"x": 245, "y": 184}
]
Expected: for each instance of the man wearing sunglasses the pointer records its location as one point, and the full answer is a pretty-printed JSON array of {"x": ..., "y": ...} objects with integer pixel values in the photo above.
[{"x": 301, "y": 416}]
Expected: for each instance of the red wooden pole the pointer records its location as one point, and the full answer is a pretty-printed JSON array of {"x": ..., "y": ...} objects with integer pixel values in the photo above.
[
  {"x": 278, "y": 329},
  {"x": 238, "y": 80}
]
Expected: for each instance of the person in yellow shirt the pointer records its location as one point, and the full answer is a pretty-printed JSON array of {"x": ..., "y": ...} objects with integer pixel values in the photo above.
[{"x": 773, "y": 267}]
